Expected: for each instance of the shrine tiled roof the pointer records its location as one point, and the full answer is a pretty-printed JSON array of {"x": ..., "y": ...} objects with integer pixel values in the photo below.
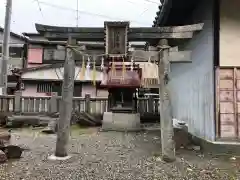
[
  {"x": 157, "y": 20},
  {"x": 173, "y": 12}
]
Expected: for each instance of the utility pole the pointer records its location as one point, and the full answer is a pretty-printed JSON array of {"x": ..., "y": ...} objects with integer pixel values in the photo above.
[
  {"x": 5, "y": 49},
  {"x": 167, "y": 133},
  {"x": 63, "y": 131},
  {"x": 77, "y": 15}
]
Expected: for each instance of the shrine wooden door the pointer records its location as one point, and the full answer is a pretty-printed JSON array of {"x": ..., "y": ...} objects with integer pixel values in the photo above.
[{"x": 228, "y": 103}]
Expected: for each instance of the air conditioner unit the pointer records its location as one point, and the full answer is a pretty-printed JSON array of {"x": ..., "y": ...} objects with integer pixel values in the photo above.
[{"x": 22, "y": 86}]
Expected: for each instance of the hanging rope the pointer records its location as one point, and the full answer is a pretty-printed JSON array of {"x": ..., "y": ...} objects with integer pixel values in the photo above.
[
  {"x": 132, "y": 64},
  {"x": 123, "y": 68},
  {"x": 149, "y": 68},
  {"x": 102, "y": 64},
  {"x": 149, "y": 64},
  {"x": 94, "y": 72},
  {"x": 113, "y": 66},
  {"x": 88, "y": 68},
  {"x": 102, "y": 55},
  {"x": 83, "y": 69},
  {"x": 102, "y": 68}
]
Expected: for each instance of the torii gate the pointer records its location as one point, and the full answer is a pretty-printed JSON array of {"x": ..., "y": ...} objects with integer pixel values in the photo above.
[{"x": 163, "y": 54}]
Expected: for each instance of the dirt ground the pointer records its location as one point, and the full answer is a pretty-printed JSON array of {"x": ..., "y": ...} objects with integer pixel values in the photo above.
[{"x": 114, "y": 156}]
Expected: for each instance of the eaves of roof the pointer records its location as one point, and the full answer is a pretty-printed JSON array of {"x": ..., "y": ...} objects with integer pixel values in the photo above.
[
  {"x": 31, "y": 34},
  {"x": 174, "y": 12},
  {"x": 162, "y": 13},
  {"x": 15, "y": 35},
  {"x": 50, "y": 66}
]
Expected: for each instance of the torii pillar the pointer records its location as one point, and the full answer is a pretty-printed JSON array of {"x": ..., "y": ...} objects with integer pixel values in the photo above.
[
  {"x": 167, "y": 133},
  {"x": 63, "y": 132}
]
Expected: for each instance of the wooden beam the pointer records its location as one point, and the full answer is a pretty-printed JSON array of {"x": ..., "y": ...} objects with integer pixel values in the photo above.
[
  {"x": 45, "y": 28},
  {"x": 131, "y": 36}
]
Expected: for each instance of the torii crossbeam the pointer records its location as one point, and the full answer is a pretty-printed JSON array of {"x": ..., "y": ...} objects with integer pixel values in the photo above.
[
  {"x": 56, "y": 33},
  {"x": 134, "y": 34}
]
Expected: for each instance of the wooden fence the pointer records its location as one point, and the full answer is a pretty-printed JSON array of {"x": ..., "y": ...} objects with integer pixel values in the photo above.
[{"x": 50, "y": 104}]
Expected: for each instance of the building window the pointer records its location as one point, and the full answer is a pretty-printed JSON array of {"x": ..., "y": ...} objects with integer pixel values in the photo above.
[
  {"x": 44, "y": 87},
  {"x": 35, "y": 55},
  {"x": 14, "y": 52},
  {"x": 54, "y": 54}
]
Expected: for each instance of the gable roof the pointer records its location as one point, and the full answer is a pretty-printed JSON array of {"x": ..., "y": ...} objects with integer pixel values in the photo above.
[
  {"x": 15, "y": 35},
  {"x": 32, "y": 34}
]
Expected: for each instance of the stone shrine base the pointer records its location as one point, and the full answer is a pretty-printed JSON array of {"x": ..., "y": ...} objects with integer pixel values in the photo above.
[
  {"x": 121, "y": 121},
  {"x": 55, "y": 158}
]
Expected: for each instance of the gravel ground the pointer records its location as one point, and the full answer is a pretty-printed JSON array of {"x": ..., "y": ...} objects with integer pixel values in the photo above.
[{"x": 112, "y": 155}]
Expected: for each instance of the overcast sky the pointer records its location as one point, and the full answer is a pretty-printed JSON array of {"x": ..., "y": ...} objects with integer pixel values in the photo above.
[{"x": 26, "y": 13}]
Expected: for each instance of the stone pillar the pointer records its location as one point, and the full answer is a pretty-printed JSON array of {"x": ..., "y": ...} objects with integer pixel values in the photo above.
[
  {"x": 87, "y": 103},
  {"x": 17, "y": 102},
  {"x": 168, "y": 145},
  {"x": 150, "y": 104},
  {"x": 53, "y": 103},
  {"x": 66, "y": 104}
]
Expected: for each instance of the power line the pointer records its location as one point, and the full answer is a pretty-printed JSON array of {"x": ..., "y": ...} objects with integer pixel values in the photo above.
[
  {"x": 149, "y": 1},
  {"x": 39, "y": 8},
  {"x": 87, "y": 13},
  {"x": 152, "y": 2},
  {"x": 145, "y": 10}
]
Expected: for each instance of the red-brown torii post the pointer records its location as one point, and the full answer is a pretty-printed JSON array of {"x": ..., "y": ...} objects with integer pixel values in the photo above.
[{"x": 165, "y": 58}]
